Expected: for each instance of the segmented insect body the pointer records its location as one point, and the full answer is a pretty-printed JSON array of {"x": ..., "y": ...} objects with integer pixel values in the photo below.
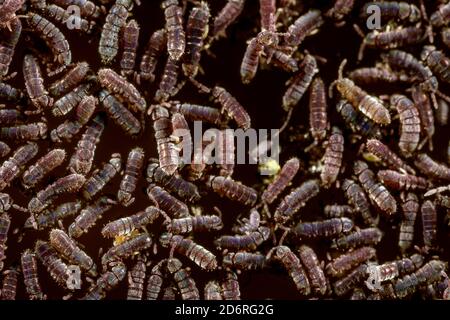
[
  {"x": 283, "y": 60},
  {"x": 127, "y": 248},
  {"x": 229, "y": 13},
  {"x": 233, "y": 190},
  {"x": 445, "y": 36},
  {"x": 8, "y": 12},
  {"x": 429, "y": 224},
  {"x": 212, "y": 291},
  {"x": 10, "y": 93},
  {"x": 281, "y": 181},
  {"x": 68, "y": 184},
  {"x": 244, "y": 260},
  {"x": 130, "y": 37},
  {"x": 340, "y": 9},
  {"x": 84, "y": 111},
  {"x": 88, "y": 8},
  {"x": 168, "y": 85},
  {"x": 35, "y": 173},
  {"x": 88, "y": 216},
  {"x": 83, "y": 157},
  {"x": 437, "y": 61},
  {"x": 338, "y": 211},
  {"x": 196, "y": 32},
  {"x": 431, "y": 168},
  {"x": 303, "y": 27},
  {"x": 429, "y": 273},
  {"x": 401, "y": 181},
  {"x": 8, "y": 45},
  {"x": 318, "y": 119},
  {"x": 230, "y": 286},
  {"x": 53, "y": 37},
  {"x": 71, "y": 99},
  {"x": 194, "y": 224},
  {"x": 136, "y": 279},
  {"x": 70, "y": 80},
  {"x": 30, "y": 275},
  {"x": 65, "y": 17},
  {"x": 107, "y": 281},
  {"x": 5, "y": 223},
  {"x": 358, "y": 238},
  {"x": 181, "y": 132},
  {"x": 12, "y": 167},
  {"x": 164, "y": 200},
  {"x": 351, "y": 280},
  {"x": 50, "y": 218},
  {"x": 127, "y": 225},
  {"x": 195, "y": 112},
  {"x": 176, "y": 38},
  {"x": 249, "y": 224},
  {"x": 155, "y": 281},
  {"x": 102, "y": 177},
  {"x": 184, "y": 189},
  {"x": 34, "y": 83},
  {"x": 4, "y": 149},
  {"x": 114, "y": 22},
  {"x": 250, "y": 61},
  {"x": 195, "y": 252},
  {"x": 441, "y": 16},
  {"x": 357, "y": 121},
  {"x": 296, "y": 199},
  {"x": 442, "y": 112},
  {"x": 162, "y": 125},
  {"x": 9, "y": 289},
  {"x": 69, "y": 249},
  {"x": 332, "y": 159},
  {"x": 410, "y": 124},
  {"x": 391, "y": 270},
  {"x": 232, "y": 107},
  {"x": 244, "y": 242},
  {"x": 27, "y": 132},
  {"x": 377, "y": 75},
  {"x": 348, "y": 261},
  {"x": 381, "y": 151},
  {"x": 186, "y": 285},
  {"x": 129, "y": 181},
  {"x": 390, "y": 10},
  {"x": 323, "y": 229},
  {"x": 58, "y": 270},
  {"x": 315, "y": 273},
  {"x": 410, "y": 207},
  {"x": 376, "y": 191},
  {"x": 293, "y": 266},
  {"x": 225, "y": 152},
  {"x": 300, "y": 82},
  {"x": 117, "y": 84},
  {"x": 155, "y": 48},
  {"x": 267, "y": 9}
]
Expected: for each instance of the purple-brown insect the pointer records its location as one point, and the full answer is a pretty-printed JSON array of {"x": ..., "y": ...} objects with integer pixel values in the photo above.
[
  {"x": 304, "y": 26},
  {"x": 130, "y": 37},
  {"x": 381, "y": 151},
  {"x": 136, "y": 279},
  {"x": 323, "y": 229},
  {"x": 127, "y": 248},
  {"x": 70, "y": 80},
  {"x": 230, "y": 286},
  {"x": 12, "y": 167},
  {"x": 410, "y": 207},
  {"x": 318, "y": 118},
  {"x": 338, "y": 211},
  {"x": 26, "y": 132},
  {"x": 350, "y": 281},
  {"x": 58, "y": 270},
  {"x": 8, "y": 44},
  {"x": 186, "y": 284},
  {"x": 431, "y": 168},
  {"x": 155, "y": 48},
  {"x": 340, "y": 10},
  {"x": 10, "y": 116},
  {"x": 281, "y": 181},
  {"x": 4, "y": 149},
  {"x": 168, "y": 86},
  {"x": 358, "y": 238},
  {"x": 244, "y": 242},
  {"x": 348, "y": 261},
  {"x": 283, "y": 60},
  {"x": 442, "y": 112},
  {"x": 332, "y": 159},
  {"x": 212, "y": 291},
  {"x": 441, "y": 16},
  {"x": 233, "y": 190},
  {"x": 194, "y": 224},
  {"x": 119, "y": 113},
  {"x": 357, "y": 122},
  {"x": 9, "y": 288},
  {"x": 5, "y": 223},
  {"x": 155, "y": 280},
  {"x": 8, "y": 11},
  {"x": 88, "y": 8},
  {"x": 176, "y": 39},
  {"x": 233, "y": 108},
  {"x": 429, "y": 224},
  {"x": 244, "y": 260},
  {"x": 35, "y": 84},
  {"x": 129, "y": 181},
  {"x": 73, "y": 98},
  {"x": 227, "y": 15},
  {"x": 107, "y": 281},
  {"x": 65, "y": 17},
  {"x": 30, "y": 275},
  {"x": 317, "y": 278},
  {"x": 100, "y": 178},
  {"x": 165, "y": 201},
  {"x": 50, "y": 218},
  {"x": 401, "y": 181},
  {"x": 377, "y": 75},
  {"x": 9, "y": 93},
  {"x": 43, "y": 166},
  {"x": 393, "y": 10}
]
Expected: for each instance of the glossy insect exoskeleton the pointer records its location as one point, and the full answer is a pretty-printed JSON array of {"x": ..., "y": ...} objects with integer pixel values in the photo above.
[
  {"x": 129, "y": 181},
  {"x": 107, "y": 281},
  {"x": 70, "y": 250},
  {"x": 441, "y": 16},
  {"x": 70, "y": 100},
  {"x": 230, "y": 286},
  {"x": 4, "y": 149},
  {"x": 195, "y": 112},
  {"x": 281, "y": 181},
  {"x": 244, "y": 260},
  {"x": 401, "y": 181},
  {"x": 248, "y": 225},
  {"x": 195, "y": 252},
  {"x": 114, "y": 22},
  {"x": 164, "y": 200},
  {"x": 338, "y": 211},
  {"x": 376, "y": 191},
  {"x": 168, "y": 85},
  {"x": 244, "y": 242},
  {"x": 117, "y": 84},
  {"x": 296, "y": 199},
  {"x": 127, "y": 248},
  {"x": 357, "y": 122},
  {"x": 89, "y": 216},
  {"x": 194, "y": 224},
  {"x": 250, "y": 61},
  {"x": 370, "y": 106},
  {"x": 8, "y": 44},
  {"x": 391, "y": 270},
  {"x": 340, "y": 10},
  {"x": 358, "y": 238},
  {"x": 377, "y": 75},
  {"x": 9, "y": 288},
  {"x": 315, "y": 273},
  {"x": 127, "y": 225},
  {"x": 292, "y": 264},
  {"x": 130, "y": 37},
  {"x": 154, "y": 50},
  {"x": 50, "y": 218},
  {"x": 30, "y": 275},
  {"x": 283, "y": 60},
  {"x": 233, "y": 108},
  {"x": 381, "y": 151},
  {"x": 429, "y": 224},
  {"x": 348, "y": 261},
  {"x": 323, "y": 229},
  {"x": 176, "y": 39},
  {"x": 58, "y": 270},
  {"x": 409, "y": 124},
  {"x": 12, "y": 167},
  {"x": 445, "y": 36},
  {"x": 390, "y": 10},
  {"x": 304, "y": 26},
  {"x": 196, "y": 32},
  {"x": 70, "y": 80},
  {"x": 318, "y": 118},
  {"x": 27, "y": 132},
  {"x": 10, "y": 116},
  {"x": 155, "y": 280},
  {"x": 300, "y": 82},
  {"x": 181, "y": 132},
  {"x": 5, "y": 223},
  {"x": 100, "y": 178},
  {"x": 212, "y": 291},
  {"x": 227, "y": 15},
  {"x": 186, "y": 284},
  {"x": 410, "y": 207},
  {"x": 431, "y": 168},
  {"x": 68, "y": 184},
  {"x": 332, "y": 159},
  {"x": 43, "y": 166},
  {"x": 88, "y": 8},
  {"x": 136, "y": 279},
  {"x": 233, "y": 190},
  {"x": 9, "y": 93},
  {"x": 350, "y": 281},
  {"x": 35, "y": 84},
  {"x": 83, "y": 157},
  {"x": 65, "y": 17},
  {"x": 8, "y": 12},
  {"x": 442, "y": 112}
]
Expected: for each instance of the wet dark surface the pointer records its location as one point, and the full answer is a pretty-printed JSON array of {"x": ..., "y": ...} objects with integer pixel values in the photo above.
[{"x": 262, "y": 99}]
